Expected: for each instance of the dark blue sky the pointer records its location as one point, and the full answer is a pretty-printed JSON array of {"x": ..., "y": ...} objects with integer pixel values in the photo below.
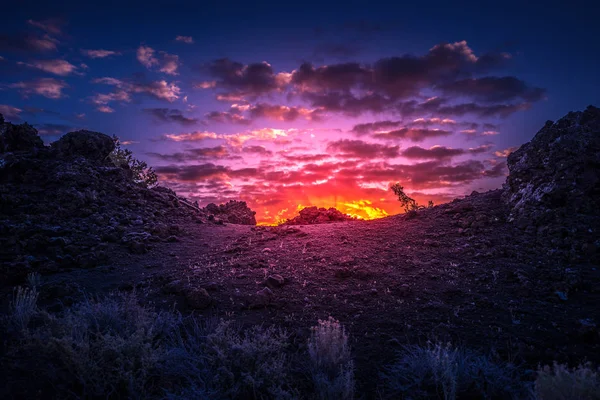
[{"x": 330, "y": 68}]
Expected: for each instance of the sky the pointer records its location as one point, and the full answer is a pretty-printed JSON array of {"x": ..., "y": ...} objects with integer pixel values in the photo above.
[{"x": 288, "y": 105}]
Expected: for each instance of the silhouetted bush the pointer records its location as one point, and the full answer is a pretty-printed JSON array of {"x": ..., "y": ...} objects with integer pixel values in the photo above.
[
  {"x": 439, "y": 371},
  {"x": 561, "y": 383},
  {"x": 141, "y": 172}
]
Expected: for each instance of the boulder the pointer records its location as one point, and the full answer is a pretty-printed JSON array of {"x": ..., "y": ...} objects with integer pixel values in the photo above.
[
  {"x": 233, "y": 212},
  {"x": 22, "y": 137},
  {"x": 91, "y": 145},
  {"x": 553, "y": 187},
  {"x": 315, "y": 215}
]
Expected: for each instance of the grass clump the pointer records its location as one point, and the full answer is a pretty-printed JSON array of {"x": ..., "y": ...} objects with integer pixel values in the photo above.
[
  {"x": 332, "y": 368},
  {"x": 438, "y": 371},
  {"x": 561, "y": 383},
  {"x": 23, "y": 307}
]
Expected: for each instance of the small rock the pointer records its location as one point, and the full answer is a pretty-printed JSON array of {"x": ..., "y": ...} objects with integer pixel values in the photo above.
[
  {"x": 343, "y": 273},
  {"x": 136, "y": 247},
  {"x": 263, "y": 297},
  {"x": 198, "y": 298},
  {"x": 172, "y": 239},
  {"x": 267, "y": 250},
  {"x": 373, "y": 291},
  {"x": 275, "y": 281}
]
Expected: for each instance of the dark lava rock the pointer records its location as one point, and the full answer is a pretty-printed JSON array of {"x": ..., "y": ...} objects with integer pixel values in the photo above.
[
  {"x": 233, "y": 212},
  {"x": 275, "y": 281},
  {"x": 22, "y": 137},
  {"x": 553, "y": 188},
  {"x": 60, "y": 203},
  {"x": 198, "y": 298},
  {"x": 315, "y": 215},
  {"x": 91, "y": 145}
]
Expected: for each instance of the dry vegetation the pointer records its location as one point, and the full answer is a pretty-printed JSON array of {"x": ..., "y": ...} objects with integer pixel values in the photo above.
[{"x": 114, "y": 347}]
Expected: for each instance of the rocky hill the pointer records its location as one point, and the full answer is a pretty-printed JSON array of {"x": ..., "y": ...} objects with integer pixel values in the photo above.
[
  {"x": 315, "y": 215},
  {"x": 62, "y": 206},
  {"x": 553, "y": 188}
]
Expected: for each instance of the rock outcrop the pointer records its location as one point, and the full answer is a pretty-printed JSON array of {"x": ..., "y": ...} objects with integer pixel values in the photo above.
[
  {"x": 66, "y": 205},
  {"x": 234, "y": 212},
  {"x": 315, "y": 215},
  {"x": 553, "y": 187},
  {"x": 91, "y": 145},
  {"x": 14, "y": 138}
]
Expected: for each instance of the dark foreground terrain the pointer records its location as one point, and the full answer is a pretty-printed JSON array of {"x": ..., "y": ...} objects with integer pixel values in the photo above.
[{"x": 512, "y": 274}]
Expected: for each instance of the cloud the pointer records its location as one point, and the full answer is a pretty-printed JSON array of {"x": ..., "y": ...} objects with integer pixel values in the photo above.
[
  {"x": 506, "y": 152},
  {"x": 432, "y": 153},
  {"x": 283, "y": 113},
  {"x": 218, "y": 152},
  {"x": 160, "y": 90},
  {"x": 389, "y": 84},
  {"x": 145, "y": 55},
  {"x": 227, "y": 117},
  {"x": 105, "y": 109},
  {"x": 359, "y": 149},
  {"x": 10, "y": 112},
  {"x": 362, "y": 129},
  {"x": 26, "y": 42},
  {"x": 52, "y": 26},
  {"x": 57, "y": 67},
  {"x": 185, "y": 39},
  {"x": 203, "y": 171},
  {"x": 260, "y": 150},
  {"x": 243, "y": 80},
  {"x": 277, "y": 136},
  {"x": 168, "y": 63},
  {"x": 348, "y": 103},
  {"x": 170, "y": 115},
  {"x": 47, "y": 87},
  {"x": 305, "y": 157},
  {"x": 344, "y": 76},
  {"x": 480, "y": 149},
  {"x": 496, "y": 171},
  {"x": 100, "y": 53},
  {"x": 205, "y": 85},
  {"x": 412, "y": 134},
  {"x": 493, "y": 89}
]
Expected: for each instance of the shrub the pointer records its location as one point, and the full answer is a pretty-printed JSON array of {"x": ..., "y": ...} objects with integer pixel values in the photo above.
[
  {"x": 23, "y": 306},
  {"x": 110, "y": 347},
  {"x": 561, "y": 383},
  {"x": 251, "y": 364},
  {"x": 142, "y": 173},
  {"x": 439, "y": 371},
  {"x": 408, "y": 203},
  {"x": 332, "y": 367}
]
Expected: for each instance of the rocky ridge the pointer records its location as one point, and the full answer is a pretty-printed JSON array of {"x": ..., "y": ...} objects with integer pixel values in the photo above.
[
  {"x": 63, "y": 206},
  {"x": 553, "y": 186},
  {"x": 315, "y": 215}
]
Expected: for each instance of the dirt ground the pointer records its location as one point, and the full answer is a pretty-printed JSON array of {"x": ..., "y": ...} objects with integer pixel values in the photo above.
[{"x": 457, "y": 272}]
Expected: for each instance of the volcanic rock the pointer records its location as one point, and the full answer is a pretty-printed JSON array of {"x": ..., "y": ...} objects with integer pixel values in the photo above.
[
  {"x": 22, "y": 137},
  {"x": 553, "y": 188},
  {"x": 91, "y": 145},
  {"x": 314, "y": 215},
  {"x": 61, "y": 206},
  {"x": 234, "y": 212}
]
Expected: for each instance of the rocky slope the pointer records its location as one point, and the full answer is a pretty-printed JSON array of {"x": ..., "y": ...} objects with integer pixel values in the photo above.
[
  {"x": 315, "y": 215},
  {"x": 63, "y": 206},
  {"x": 553, "y": 189}
]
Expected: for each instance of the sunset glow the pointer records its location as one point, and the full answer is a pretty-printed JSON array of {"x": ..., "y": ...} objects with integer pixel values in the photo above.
[{"x": 330, "y": 123}]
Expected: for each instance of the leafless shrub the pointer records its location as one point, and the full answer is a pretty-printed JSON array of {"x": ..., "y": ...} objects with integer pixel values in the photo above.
[
  {"x": 561, "y": 383},
  {"x": 332, "y": 366}
]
